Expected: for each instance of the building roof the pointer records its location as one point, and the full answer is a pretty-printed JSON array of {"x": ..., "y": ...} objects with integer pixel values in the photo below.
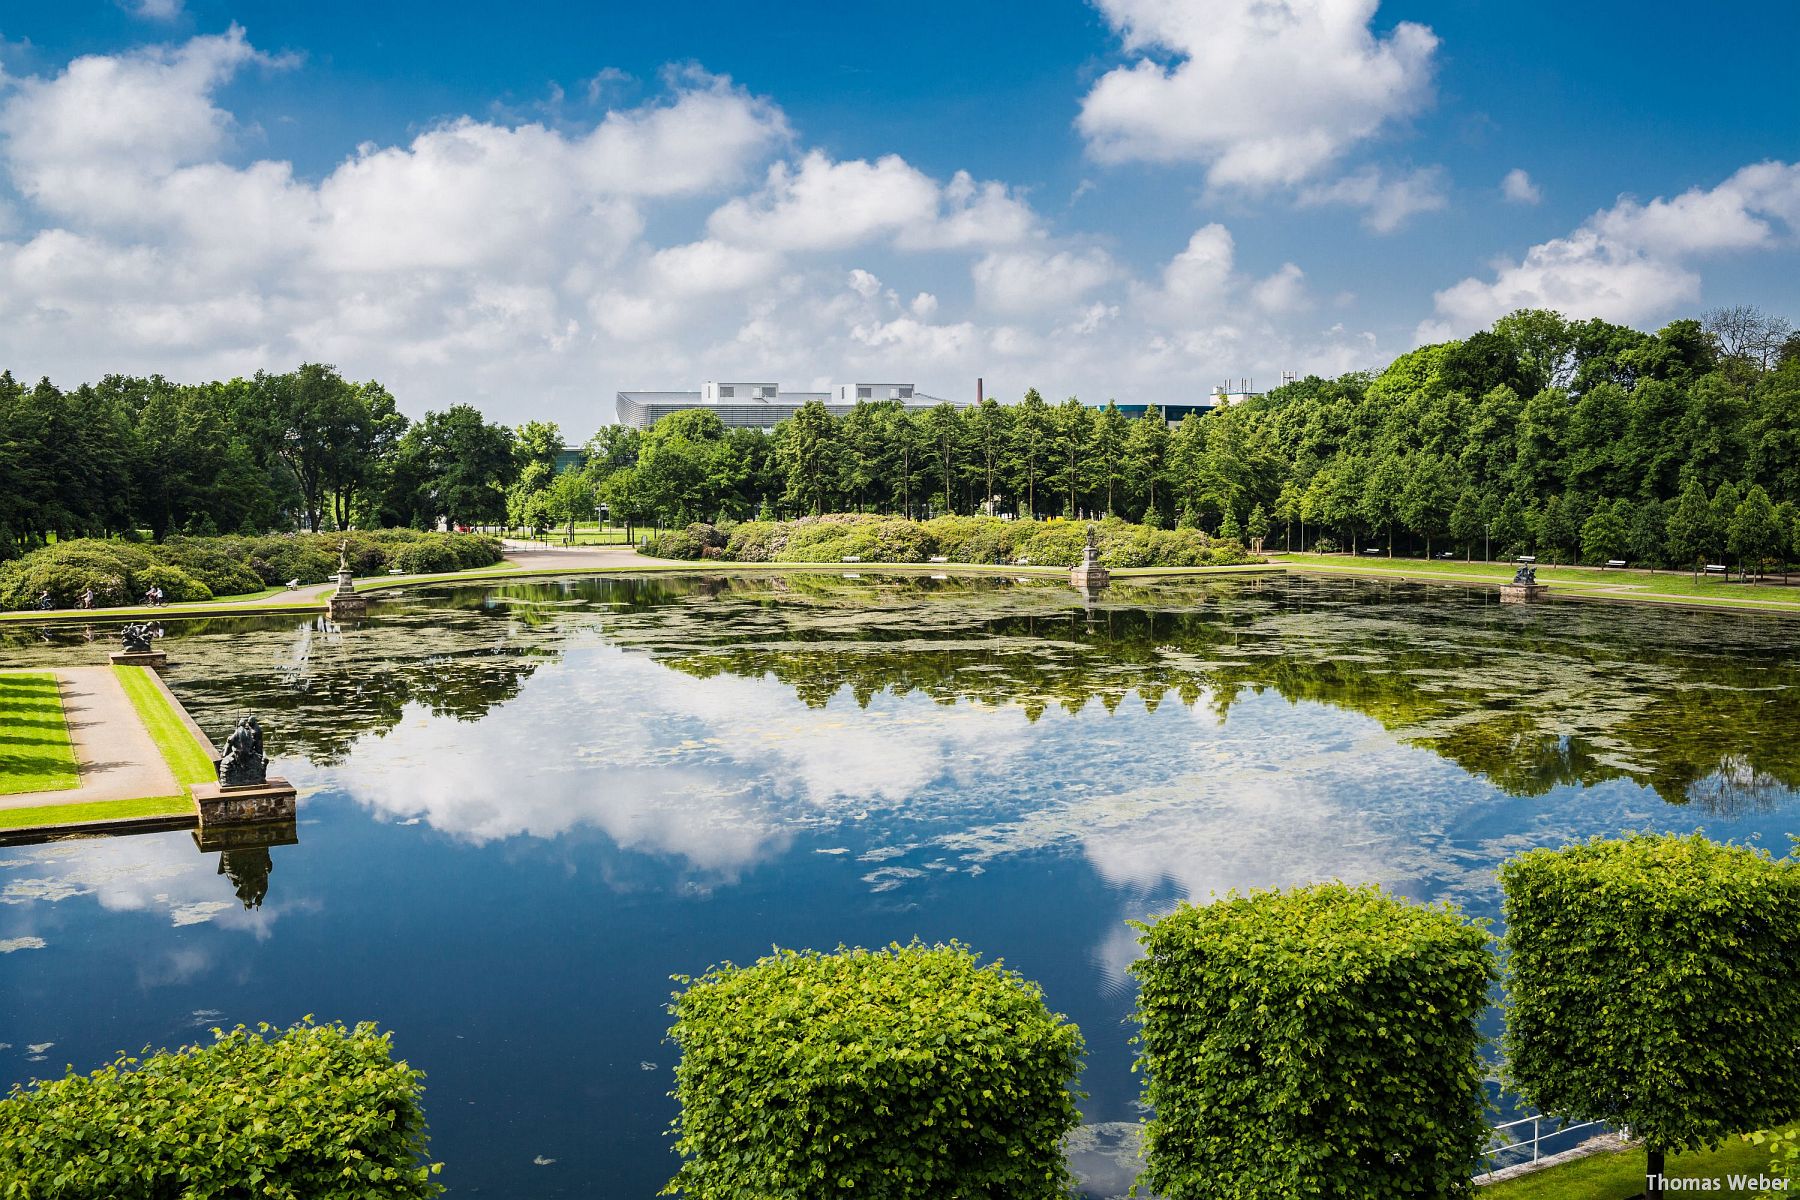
[{"x": 642, "y": 408}]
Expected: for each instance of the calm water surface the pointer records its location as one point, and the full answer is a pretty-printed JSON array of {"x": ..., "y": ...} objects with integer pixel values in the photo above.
[{"x": 525, "y": 807}]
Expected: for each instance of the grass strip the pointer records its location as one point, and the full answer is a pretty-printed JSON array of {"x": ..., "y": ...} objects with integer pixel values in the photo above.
[
  {"x": 40, "y": 815},
  {"x": 188, "y": 760},
  {"x": 1619, "y": 1174},
  {"x": 36, "y": 754},
  {"x": 1665, "y": 587}
]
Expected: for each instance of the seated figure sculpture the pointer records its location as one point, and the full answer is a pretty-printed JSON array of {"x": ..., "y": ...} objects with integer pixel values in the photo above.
[
  {"x": 136, "y": 637},
  {"x": 243, "y": 764},
  {"x": 1525, "y": 577}
]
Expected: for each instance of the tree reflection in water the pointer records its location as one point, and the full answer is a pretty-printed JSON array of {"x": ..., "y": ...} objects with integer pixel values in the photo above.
[{"x": 1697, "y": 706}]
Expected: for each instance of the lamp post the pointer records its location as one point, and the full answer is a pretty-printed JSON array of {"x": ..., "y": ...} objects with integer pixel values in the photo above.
[{"x": 1486, "y": 553}]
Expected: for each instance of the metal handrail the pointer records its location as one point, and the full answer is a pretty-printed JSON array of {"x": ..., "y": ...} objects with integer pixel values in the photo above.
[{"x": 1535, "y": 1141}]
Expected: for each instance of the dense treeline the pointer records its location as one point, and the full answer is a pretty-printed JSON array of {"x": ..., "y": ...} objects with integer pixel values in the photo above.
[
  {"x": 1570, "y": 439},
  {"x": 303, "y": 450}
]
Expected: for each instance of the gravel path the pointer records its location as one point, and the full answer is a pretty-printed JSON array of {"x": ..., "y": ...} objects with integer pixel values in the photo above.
[{"x": 113, "y": 752}]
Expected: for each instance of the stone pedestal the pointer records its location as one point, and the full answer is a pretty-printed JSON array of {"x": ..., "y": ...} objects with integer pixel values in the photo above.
[
  {"x": 247, "y": 836},
  {"x": 139, "y": 658},
  {"x": 344, "y": 603},
  {"x": 271, "y": 800},
  {"x": 1524, "y": 593},
  {"x": 346, "y": 606},
  {"x": 1089, "y": 577}
]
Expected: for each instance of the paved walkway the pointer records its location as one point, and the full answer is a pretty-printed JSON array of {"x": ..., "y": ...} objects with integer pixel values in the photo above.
[
  {"x": 529, "y": 556},
  {"x": 114, "y": 755}
]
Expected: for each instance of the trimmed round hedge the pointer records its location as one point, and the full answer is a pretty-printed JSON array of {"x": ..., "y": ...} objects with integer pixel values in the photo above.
[
  {"x": 913, "y": 1071},
  {"x": 990, "y": 540},
  {"x": 200, "y": 568},
  {"x": 1654, "y": 982},
  {"x": 1319, "y": 1042},
  {"x": 311, "y": 1111}
]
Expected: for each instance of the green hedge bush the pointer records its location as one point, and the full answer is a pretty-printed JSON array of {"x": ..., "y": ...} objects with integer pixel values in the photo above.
[
  {"x": 673, "y": 543},
  {"x": 877, "y": 539},
  {"x": 219, "y": 563},
  {"x": 425, "y": 558},
  {"x": 871, "y": 539},
  {"x": 196, "y": 568},
  {"x": 1319, "y": 1042},
  {"x": 978, "y": 539},
  {"x": 276, "y": 560},
  {"x": 755, "y": 541},
  {"x": 298, "y": 1114},
  {"x": 908, "y": 1072},
  {"x": 1654, "y": 982},
  {"x": 177, "y": 585},
  {"x": 68, "y": 569}
]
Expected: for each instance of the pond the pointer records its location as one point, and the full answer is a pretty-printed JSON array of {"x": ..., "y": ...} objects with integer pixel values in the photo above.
[{"x": 524, "y": 807}]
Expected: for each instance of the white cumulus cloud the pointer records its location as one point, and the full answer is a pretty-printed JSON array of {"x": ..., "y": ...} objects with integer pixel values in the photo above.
[
  {"x": 1633, "y": 262},
  {"x": 1021, "y": 281},
  {"x": 534, "y": 269},
  {"x": 1518, "y": 188},
  {"x": 823, "y": 204},
  {"x": 1261, "y": 91},
  {"x": 1387, "y": 202}
]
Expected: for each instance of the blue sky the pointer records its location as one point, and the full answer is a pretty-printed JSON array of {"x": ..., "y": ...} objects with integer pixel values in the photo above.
[{"x": 531, "y": 206}]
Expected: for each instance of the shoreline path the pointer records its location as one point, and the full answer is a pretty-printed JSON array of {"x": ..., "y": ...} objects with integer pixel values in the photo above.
[{"x": 115, "y": 758}]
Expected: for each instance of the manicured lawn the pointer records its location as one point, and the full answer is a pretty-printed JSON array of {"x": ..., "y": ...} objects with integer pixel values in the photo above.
[
  {"x": 35, "y": 752},
  {"x": 1652, "y": 586},
  {"x": 187, "y": 760},
  {"x": 1620, "y": 1174},
  {"x": 585, "y": 535},
  {"x": 102, "y": 810}
]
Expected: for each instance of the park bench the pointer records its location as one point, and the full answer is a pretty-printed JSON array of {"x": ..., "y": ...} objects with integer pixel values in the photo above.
[
  {"x": 1373, "y": 550},
  {"x": 852, "y": 558},
  {"x": 1525, "y": 560},
  {"x": 1446, "y": 554},
  {"x": 1614, "y": 562},
  {"x": 939, "y": 558},
  {"x": 1716, "y": 569}
]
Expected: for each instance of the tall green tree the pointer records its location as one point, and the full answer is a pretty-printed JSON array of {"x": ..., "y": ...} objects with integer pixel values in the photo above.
[
  {"x": 320, "y": 427},
  {"x": 809, "y": 457},
  {"x": 570, "y": 498},
  {"x": 1724, "y": 507},
  {"x": 1147, "y": 459},
  {"x": 1379, "y": 504},
  {"x": 1428, "y": 497},
  {"x": 1108, "y": 454},
  {"x": 1469, "y": 520},
  {"x": 455, "y": 467},
  {"x": 1648, "y": 542},
  {"x": 1605, "y": 535},
  {"x": 1072, "y": 428},
  {"x": 943, "y": 427},
  {"x": 1031, "y": 442},
  {"x": 1618, "y": 951},
  {"x": 989, "y": 430},
  {"x": 1690, "y": 527},
  {"x": 1754, "y": 534}
]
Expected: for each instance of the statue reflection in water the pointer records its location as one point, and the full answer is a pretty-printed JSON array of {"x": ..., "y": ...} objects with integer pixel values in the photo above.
[
  {"x": 248, "y": 871},
  {"x": 244, "y": 855}
]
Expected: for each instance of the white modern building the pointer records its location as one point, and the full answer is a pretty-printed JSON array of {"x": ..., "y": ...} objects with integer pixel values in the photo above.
[{"x": 762, "y": 405}]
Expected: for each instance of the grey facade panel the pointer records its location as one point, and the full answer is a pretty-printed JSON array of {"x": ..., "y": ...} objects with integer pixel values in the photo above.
[{"x": 644, "y": 409}]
